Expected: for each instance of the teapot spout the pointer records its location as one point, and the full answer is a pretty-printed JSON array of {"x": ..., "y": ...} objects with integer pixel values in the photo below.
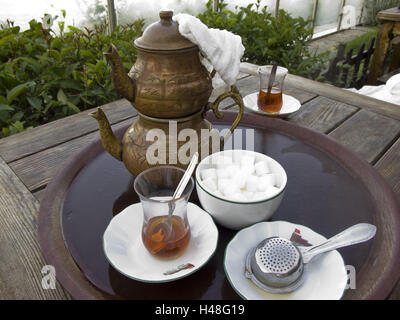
[
  {"x": 122, "y": 82},
  {"x": 110, "y": 142}
]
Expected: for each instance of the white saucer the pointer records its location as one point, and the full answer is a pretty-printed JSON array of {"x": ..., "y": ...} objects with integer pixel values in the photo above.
[
  {"x": 124, "y": 249},
  {"x": 289, "y": 105},
  {"x": 325, "y": 277}
]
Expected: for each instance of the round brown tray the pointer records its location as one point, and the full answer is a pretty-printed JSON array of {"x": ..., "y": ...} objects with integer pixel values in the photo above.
[{"x": 329, "y": 188}]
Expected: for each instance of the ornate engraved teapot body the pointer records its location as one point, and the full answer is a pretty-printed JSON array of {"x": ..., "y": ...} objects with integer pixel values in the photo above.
[
  {"x": 167, "y": 82},
  {"x": 167, "y": 79}
]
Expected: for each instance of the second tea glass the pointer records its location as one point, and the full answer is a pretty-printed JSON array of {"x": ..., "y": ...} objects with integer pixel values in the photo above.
[
  {"x": 162, "y": 236},
  {"x": 271, "y": 102}
]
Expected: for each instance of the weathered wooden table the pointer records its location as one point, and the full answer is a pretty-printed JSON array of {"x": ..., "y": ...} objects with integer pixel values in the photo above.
[{"x": 29, "y": 160}]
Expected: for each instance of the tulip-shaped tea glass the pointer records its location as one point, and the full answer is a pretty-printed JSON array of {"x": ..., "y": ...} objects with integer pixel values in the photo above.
[
  {"x": 162, "y": 236},
  {"x": 271, "y": 101}
]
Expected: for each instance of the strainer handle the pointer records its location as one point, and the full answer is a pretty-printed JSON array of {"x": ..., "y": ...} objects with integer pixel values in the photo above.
[{"x": 356, "y": 234}]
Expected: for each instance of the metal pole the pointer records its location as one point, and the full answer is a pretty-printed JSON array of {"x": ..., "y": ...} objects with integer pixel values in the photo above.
[
  {"x": 341, "y": 14},
  {"x": 362, "y": 11},
  {"x": 112, "y": 16},
  {"x": 277, "y": 2},
  {"x": 314, "y": 14},
  {"x": 215, "y": 5}
]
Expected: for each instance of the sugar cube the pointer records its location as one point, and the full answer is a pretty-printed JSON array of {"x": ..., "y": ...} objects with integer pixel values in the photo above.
[
  {"x": 263, "y": 183},
  {"x": 261, "y": 168},
  {"x": 210, "y": 184},
  {"x": 271, "y": 191},
  {"x": 269, "y": 179},
  {"x": 232, "y": 169},
  {"x": 236, "y": 156},
  {"x": 259, "y": 196},
  {"x": 251, "y": 183},
  {"x": 223, "y": 173},
  {"x": 248, "y": 194},
  {"x": 221, "y": 183},
  {"x": 247, "y": 169},
  {"x": 238, "y": 197},
  {"x": 240, "y": 178},
  {"x": 230, "y": 189},
  {"x": 208, "y": 173},
  {"x": 247, "y": 160},
  {"x": 222, "y": 161}
]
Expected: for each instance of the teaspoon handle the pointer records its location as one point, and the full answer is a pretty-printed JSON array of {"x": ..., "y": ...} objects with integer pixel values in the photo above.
[{"x": 356, "y": 234}]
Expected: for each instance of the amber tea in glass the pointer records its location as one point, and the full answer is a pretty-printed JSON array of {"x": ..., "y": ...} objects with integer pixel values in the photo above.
[
  {"x": 163, "y": 236},
  {"x": 272, "y": 101},
  {"x": 159, "y": 242}
]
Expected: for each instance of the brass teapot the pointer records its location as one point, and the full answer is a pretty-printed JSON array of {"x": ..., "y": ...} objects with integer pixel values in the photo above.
[{"x": 167, "y": 83}]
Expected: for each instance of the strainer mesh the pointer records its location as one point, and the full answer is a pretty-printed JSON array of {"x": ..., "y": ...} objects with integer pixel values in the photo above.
[{"x": 277, "y": 255}]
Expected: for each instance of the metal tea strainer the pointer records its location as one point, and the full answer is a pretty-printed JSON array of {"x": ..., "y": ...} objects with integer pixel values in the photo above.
[{"x": 277, "y": 266}]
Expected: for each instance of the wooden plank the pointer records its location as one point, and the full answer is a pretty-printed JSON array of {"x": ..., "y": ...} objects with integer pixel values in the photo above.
[
  {"x": 389, "y": 166},
  {"x": 59, "y": 131},
  {"x": 39, "y": 194},
  {"x": 38, "y": 169},
  {"x": 367, "y": 134},
  {"x": 322, "y": 114},
  {"x": 392, "y": 14},
  {"x": 22, "y": 261}
]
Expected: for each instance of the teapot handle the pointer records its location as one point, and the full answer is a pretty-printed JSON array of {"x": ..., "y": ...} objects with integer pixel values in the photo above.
[{"x": 237, "y": 97}]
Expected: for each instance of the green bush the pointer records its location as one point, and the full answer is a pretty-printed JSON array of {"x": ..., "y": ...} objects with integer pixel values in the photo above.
[
  {"x": 44, "y": 76},
  {"x": 268, "y": 39}
]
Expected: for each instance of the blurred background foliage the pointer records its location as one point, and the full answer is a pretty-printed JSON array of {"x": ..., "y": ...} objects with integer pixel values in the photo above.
[{"x": 45, "y": 76}]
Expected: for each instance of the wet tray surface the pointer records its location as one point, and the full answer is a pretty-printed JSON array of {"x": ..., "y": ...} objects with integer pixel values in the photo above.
[{"x": 328, "y": 190}]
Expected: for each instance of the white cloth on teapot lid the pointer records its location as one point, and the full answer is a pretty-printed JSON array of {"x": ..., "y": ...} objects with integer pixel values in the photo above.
[{"x": 221, "y": 48}]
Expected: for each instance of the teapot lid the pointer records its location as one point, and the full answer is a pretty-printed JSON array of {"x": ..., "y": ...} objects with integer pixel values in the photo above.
[{"x": 163, "y": 35}]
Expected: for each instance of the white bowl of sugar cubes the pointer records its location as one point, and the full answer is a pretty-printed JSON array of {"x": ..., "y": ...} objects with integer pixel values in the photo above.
[{"x": 239, "y": 187}]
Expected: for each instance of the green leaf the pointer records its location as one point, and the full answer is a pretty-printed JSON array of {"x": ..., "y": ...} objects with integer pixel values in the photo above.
[
  {"x": 18, "y": 116},
  {"x": 34, "y": 64},
  {"x": 18, "y": 125},
  {"x": 73, "y": 107},
  {"x": 72, "y": 28},
  {"x": 70, "y": 84},
  {"x": 4, "y": 107},
  {"x": 35, "y": 102},
  {"x": 64, "y": 13},
  {"x": 61, "y": 25},
  {"x": 61, "y": 96},
  {"x": 6, "y": 131},
  {"x": 66, "y": 51},
  {"x": 88, "y": 54},
  {"x": 17, "y": 90},
  {"x": 55, "y": 54}
]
